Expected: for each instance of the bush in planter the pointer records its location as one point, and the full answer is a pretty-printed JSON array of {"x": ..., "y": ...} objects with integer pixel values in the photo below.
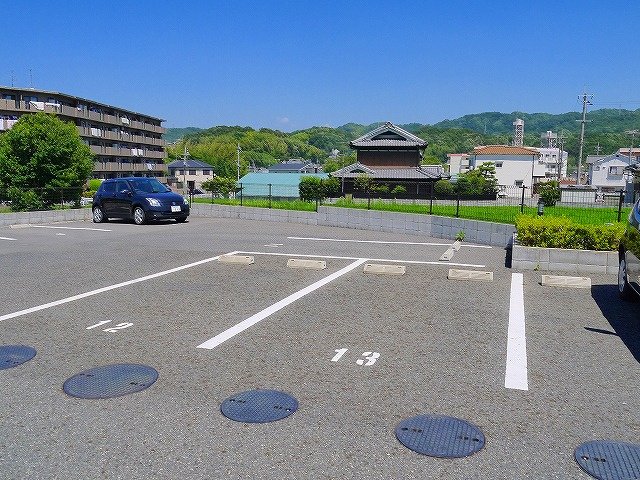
[{"x": 560, "y": 232}]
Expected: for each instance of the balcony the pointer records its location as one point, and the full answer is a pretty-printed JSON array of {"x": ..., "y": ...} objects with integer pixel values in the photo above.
[
  {"x": 128, "y": 167},
  {"x": 74, "y": 112}
]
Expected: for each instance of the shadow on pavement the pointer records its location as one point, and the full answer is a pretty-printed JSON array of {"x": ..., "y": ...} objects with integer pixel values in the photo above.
[{"x": 623, "y": 316}]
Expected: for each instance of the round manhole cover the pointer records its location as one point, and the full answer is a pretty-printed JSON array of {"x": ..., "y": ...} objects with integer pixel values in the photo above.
[
  {"x": 110, "y": 381},
  {"x": 609, "y": 460},
  {"x": 259, "y": 406},
  {"x": 440, "y": 436},
  {"x": 14, "y": 355}
]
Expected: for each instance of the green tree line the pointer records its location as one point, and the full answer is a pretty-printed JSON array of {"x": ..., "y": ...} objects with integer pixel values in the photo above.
[{"x": 264, "y": 147}]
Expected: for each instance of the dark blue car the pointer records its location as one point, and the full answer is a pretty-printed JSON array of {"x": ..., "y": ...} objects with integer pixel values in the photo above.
[
  {"x": 138, "y": 198},
  {"x": 629, "y": 257}
]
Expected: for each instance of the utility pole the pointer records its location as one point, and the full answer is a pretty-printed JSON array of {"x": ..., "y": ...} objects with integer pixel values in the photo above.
[
  {"x": 632, "y": 133},
  {"x": 598, "y": 149},
  {"x": 238, "y": 164},
  {"x": 586, "y": 100},
  {"x": 560, "y": 159},
  {"x": 184, "y": 169}
]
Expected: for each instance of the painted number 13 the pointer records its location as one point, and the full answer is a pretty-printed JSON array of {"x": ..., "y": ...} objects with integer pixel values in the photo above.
[{"x": 368, "y": 360}]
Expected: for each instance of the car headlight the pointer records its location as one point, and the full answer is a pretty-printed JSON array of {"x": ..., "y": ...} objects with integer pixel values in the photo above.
[
  {"x": 184, "y": 201},
  {"x": 154, "y": 202}
]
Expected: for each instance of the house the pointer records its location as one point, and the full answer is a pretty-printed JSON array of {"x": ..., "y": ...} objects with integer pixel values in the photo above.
[
  {"x": 515, "y": 166},
  {"x": 192, "y": 171},
  {"x": 389, "y": 146},
  {"x": 607, "y": 173},
  {"x": 392, "y": 156},
  {"x": 295, "y": 166},
  {"x": 274, "y": 185}
]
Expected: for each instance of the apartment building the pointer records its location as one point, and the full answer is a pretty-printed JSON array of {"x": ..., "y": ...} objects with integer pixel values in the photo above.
[{"x": 125, "y": 143}]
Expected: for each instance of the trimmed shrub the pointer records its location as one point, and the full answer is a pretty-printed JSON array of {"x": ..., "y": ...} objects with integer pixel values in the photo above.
[
  {"x": 560, "y": 232},
  {"x": 443, "y": 188},
  {"x": 310, "y": 189}
]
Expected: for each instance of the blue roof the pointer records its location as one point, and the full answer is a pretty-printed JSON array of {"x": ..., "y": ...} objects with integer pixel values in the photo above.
[
  {"x": 282, "y": 184},
  {"x": 191, "y": 163}
]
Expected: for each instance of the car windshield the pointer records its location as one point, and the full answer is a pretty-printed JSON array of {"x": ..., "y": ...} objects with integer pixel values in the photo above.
[{"x": 149, "y": 185}]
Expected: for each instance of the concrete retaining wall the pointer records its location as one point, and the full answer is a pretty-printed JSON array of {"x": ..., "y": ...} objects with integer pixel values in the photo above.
[
  {"x": 563, "y": 260},
  {"x": 486, "y": 233},
  {"x": 49, "y": 216}
]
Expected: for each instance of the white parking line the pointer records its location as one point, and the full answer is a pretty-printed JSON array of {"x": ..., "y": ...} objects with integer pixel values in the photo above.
[
  {"x": 72, "y": 228},
  {"x": 516, "y": 372},
  {"x": 106, "y": 289},
  {"x": 7, "y": 238},
  {"x": 416, "y": 262},
  {"x": 381, "y": 242},
  {"x": 261, "y": 315}
]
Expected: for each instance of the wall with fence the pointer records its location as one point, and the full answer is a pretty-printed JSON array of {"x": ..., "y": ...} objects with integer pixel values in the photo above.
[{"x": 487, "y": 233}]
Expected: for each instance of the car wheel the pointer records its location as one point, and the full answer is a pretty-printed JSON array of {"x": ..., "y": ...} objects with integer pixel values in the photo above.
[
  {"x": 139, "y": 216},
  {"x": 98, "y": 215},
  {"x": 181, "y": 219},
  {"x": 624, "y": 289}
]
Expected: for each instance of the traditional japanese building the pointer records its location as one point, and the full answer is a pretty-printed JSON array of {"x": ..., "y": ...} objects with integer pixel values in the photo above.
[
  {"x": 391, "y": 157},
  {"x": 389, "y": 146}
]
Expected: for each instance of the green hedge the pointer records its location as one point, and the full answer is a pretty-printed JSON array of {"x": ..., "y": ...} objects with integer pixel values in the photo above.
[{"x": 561, "y": 232}]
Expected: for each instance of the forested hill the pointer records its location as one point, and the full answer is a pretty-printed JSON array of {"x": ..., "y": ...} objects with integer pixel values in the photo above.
[
  {"x": 175, "y": 134},
  {"x": 605, "y": 120},
  {"x": 605, "y": 133}
]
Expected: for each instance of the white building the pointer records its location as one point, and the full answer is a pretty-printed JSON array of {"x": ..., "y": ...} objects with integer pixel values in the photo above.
[
  {"x": 515, "y": 166},
  {"x": 549, "y": 156},
  {"x": 458, "y": 163},
  {"x": 607, "y": 172}
]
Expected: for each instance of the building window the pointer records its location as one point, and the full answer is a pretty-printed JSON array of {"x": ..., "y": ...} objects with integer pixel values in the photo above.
[
  {"x": 206, "y": 172},
  {"x": 617, "y": 170},
  {"x": 519, "y": 183},
  {"x": 192, "y": 172},
  {"x": 498, "y": 164}
]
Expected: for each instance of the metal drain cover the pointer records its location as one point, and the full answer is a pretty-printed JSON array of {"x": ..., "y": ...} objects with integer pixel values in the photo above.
[
  {"x": 440, "y": 436},
  {"x": 609, "y": 460},
  {"x": 259, "y": 406},
  {"x": 14, "y": 355},
  {"x": 110, "y": 381}
]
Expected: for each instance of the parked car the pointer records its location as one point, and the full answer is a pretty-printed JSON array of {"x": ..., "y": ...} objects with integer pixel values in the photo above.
[
  {"x": 629, "y": 256},
  {"x": 138, "y": 198}
]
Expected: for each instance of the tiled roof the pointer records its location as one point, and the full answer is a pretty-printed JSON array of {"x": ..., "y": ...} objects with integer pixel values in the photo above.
[
  {"x": 503, "y": 150},
  {"x": 287, "y": 166},
  {"x": 190, "y": 163},
  {"x": 407, "y": 139},
  {"x": 413, "y": 173}
]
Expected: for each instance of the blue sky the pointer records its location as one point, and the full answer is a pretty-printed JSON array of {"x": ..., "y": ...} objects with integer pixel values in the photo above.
[{"x": 294, "y": 64}]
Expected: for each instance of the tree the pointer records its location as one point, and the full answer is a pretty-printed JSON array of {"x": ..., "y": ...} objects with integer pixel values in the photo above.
[
  {"x": 43, "y": 157},
  {"x": 220, "y": 186},
  {"x": 549, "y": 192}
]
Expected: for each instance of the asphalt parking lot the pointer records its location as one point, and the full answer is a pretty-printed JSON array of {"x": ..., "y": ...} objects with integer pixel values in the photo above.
[{"x": 360, "y": 352}]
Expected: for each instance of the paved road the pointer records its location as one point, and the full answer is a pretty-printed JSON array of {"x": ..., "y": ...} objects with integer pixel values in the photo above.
[{"x": 442, "y": 348}]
